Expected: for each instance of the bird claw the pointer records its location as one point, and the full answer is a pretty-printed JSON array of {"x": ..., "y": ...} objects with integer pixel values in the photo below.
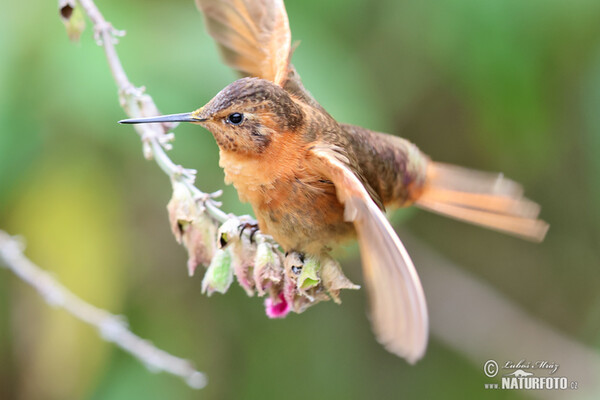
[{"x": 253, "y": 226}]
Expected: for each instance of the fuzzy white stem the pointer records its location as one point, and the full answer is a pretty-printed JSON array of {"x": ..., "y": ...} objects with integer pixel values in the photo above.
[{"x": 112, "y": 328}]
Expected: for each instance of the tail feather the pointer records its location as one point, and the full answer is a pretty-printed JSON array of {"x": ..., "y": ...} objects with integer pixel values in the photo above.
[
  {"x": 493, "y": 203},
  {"x": 481, "y": 198},
  {"x": 453, "y": 177}
]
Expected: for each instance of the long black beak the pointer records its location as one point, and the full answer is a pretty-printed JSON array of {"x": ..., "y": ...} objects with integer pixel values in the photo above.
[{"x": 183, "y": 117}]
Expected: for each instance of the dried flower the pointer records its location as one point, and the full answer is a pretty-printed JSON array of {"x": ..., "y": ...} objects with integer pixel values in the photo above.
[
  {"x": 268, "y": 270},
  {"x": 191, "y": 226},
  {"x": 292, "y": 285},
  {"x": 242, "y": 250},
  {"x": 278, "y": 308},
  {"x": 301, "y": 288},
  {"x": 334, "y": 279}
]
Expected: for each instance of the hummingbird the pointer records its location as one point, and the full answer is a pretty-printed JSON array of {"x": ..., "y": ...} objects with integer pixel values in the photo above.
[{"x": 314, "y": 182}]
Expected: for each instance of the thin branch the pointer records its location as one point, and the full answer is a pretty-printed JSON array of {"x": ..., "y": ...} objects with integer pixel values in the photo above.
[
  {"x": 137, "y": 104},
  {"x": 112, "y": 328}
]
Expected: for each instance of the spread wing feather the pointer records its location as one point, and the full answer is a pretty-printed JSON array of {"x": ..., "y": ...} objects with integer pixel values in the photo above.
[
  {"x": 254, "y": 35},
  {"x": 398, "y": 308}
]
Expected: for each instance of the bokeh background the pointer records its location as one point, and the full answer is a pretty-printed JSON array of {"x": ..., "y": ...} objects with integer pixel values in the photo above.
[{"x": 499, "y": 85}]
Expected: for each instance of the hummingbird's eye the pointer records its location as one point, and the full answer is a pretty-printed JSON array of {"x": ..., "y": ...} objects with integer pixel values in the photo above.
[{"x": 235, "y": 118}]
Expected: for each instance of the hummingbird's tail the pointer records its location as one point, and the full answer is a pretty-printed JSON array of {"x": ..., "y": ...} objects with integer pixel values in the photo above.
[{"x": 481, "y": 198}]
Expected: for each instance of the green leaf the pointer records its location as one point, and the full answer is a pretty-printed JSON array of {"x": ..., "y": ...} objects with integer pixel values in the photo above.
[
  {"x": 309, "y": 277},
  {"x": 219, "y": 275}
]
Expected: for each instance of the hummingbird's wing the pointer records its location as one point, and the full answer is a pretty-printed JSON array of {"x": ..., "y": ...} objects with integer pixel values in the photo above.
[
  {"x": 253, "y": 35},
  {"x": 254, "y": 38},
  {"x": 398, "y": 308}
]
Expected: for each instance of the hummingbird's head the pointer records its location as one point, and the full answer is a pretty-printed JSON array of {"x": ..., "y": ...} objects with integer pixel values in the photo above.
[{"x": 244, "y": 117}]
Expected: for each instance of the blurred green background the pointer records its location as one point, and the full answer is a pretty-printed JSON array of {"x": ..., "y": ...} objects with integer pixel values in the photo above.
[{"x": 500, "y": 85}]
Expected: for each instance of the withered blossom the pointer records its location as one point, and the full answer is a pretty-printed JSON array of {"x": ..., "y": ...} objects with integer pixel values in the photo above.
[
  {"x": 278, "y": 307},
  {"x": 242, "y": 251},
  {"x": 334, "y": 280},
  {"x": 291, "y": 283},
  {"x": 191, "y": 227},
  {"x": 268, "y": 270}
]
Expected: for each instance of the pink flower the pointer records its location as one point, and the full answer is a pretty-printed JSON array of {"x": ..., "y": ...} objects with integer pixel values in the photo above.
[{"x": 277, "y": 310}]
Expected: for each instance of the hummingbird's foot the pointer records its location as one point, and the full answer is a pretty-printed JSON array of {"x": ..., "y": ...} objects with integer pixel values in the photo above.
[{"x": 253, "y": 226}]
